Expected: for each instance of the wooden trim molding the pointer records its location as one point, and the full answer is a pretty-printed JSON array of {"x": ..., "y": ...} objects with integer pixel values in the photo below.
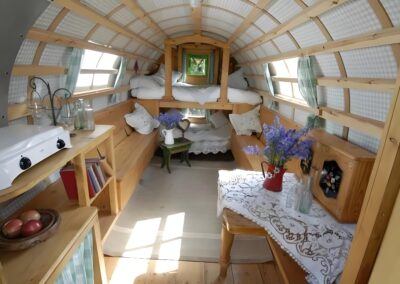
[
  {"x": 98, "y": 93},
  {"x": 196, "y": 39},
  {"x": 99, "y": 71},
  {"x": 179, "y": 104},
  {"x": 384, "y": 37},
  {"x": 38, "y": 70}
]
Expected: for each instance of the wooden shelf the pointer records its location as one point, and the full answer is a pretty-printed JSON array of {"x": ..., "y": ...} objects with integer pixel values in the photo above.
[
  {"x": 106, "y": 220},
  {"x": 83, "y": 142},
  {"x": 102, "y": 189},
  {"x": 44, "y": 261}
]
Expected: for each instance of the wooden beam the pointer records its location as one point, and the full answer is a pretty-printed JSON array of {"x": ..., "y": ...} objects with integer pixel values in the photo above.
[
  {"x": 135, "y": 8},
  {"x": 16, "y": 111},
  {"x": 223, "y": 98},
  {"x": 38, "y": 70},
  {"x": 168, "y": 70},
  {"x": 382, "y": 85},
  {"x": 383, "y": 37},
  {"x": 179, "y": 104},
  {"x": 254, "y": 14},
  {"x": 91, "y": 94},
  {"x": 382, "y": 190},
  {"x": 197, "y": 39},
  {"x": 99, "y": 71},
  {"x": 196, "y": 18},
  {"x": 54, "y": 38},
  {"x": 77, "y": 7},
  {"x": 321, "y": 7}
]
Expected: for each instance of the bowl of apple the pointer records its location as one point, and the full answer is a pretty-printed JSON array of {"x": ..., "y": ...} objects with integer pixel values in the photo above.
[{"x": 28, "y": 229}]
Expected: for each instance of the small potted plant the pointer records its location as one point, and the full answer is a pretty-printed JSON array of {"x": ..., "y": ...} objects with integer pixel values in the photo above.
[
  {"x": 169, "y": 120},
  {"x": 281, "y": 146}
]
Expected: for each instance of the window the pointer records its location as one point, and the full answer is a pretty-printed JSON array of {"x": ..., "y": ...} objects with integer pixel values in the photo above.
[
  {"x": 197, "y": 65},
  {"x": 98, "y": 70}
]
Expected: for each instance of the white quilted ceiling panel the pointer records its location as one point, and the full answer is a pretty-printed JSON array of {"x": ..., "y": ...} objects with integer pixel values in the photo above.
[
  {"x": 265, "y": 23},
  {"x": 375, "y": 62},
  {"x": 47, "y": 17},
  {"x": 284, "y": 10},
  {"x": 151, "y": 5},
  {"x": 374, "y": 105},
  {"x": 259, "y": 52},
  {"x": 363, "y": 140},
  {"x": 176, "y": 22},
  {"x": 120, "y": 42},
  {"x": 226, "y": 16},
  {"x": 269, "y": 49},
  {"x": 180, "y": 32},
  {"x": 132, "y": 46},
  {"x": 240, "y": 7},
  {"x": 330, "y": 97},
  {"x": 333, "y": 128},
  {"x": 137, "y": 26},
  {"x": 123, "y": 16},
  {"x": 165, "y": 14},
  {"x": 393, "y": 9},
  {"x": 75, "y": 26},
  {"x": 26, "y": 52},
  {"x": 55, "y": 55},
  {"x": 102, "y": 7},
  {"x": 147, "y": 33},
  {"x": 308, "y": 34},
  {"x": 253, "y": 32},
  {"x": 311, "y": 2},
  {"x": 245, "y": 38},
  {"x": 219, "y": 24},
  {"x": 102, "y": 35},
  {"x": 251, "y": 55},
  {"x": 284, "y": 43},
  {"x": 353, "y": 18},
  {"x": 217, "y": 33},
  {"x": 327, "y": 66},
  {"x": 17, "y": 89}
]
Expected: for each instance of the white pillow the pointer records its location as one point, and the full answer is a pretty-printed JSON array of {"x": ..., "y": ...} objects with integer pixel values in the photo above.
[
  {"x": 159, "y": 77},
  {"x": 237, "y": 81},
  {"x": 218, "y": 119},
  {"x": 246, "y": 123},
  {"x": 143, "y": 82},
  {"x": 141, "y": 120}
]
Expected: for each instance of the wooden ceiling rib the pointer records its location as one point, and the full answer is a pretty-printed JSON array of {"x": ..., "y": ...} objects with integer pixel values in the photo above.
[
  {"x": 88, "y": 13},
  {"x": 307, "y": 14}
]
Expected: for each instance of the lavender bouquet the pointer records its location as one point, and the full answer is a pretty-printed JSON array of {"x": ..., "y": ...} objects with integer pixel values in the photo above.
[
  {"x": 170, "y": 119},
  {"x": 282, "y": 144}
]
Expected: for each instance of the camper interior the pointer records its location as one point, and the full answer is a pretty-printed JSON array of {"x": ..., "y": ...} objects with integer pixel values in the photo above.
[{"x": 199, "y": 141}]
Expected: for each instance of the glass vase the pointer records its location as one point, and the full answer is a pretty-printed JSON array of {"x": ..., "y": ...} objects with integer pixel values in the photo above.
[{"x": 304, "y": 198}]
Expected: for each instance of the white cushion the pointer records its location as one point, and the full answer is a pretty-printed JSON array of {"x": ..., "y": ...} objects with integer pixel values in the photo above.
[
  {"x": 246, "y": 123},
  {"x": 141, "y": 120},
  {"x": 237, "y": 81},
  {"x": 218, "y": 119},
  {"x": 159, "y": 77},
  {"x": 143, "y": 82}
]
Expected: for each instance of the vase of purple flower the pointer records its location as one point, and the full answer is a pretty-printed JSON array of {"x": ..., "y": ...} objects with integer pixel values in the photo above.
[
  {"x": 281, "y": 146},
  {"x": 169, "y": 120}
]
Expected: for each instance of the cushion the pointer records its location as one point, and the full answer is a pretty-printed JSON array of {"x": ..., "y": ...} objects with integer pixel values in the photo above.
[
  {"x": 141, "y": 120},
  {"x": 159, "y": 77},
  {"x": 143, "y": 82},
  {"x": 246, "y": 123},
  {"x": 236, "y": 80},
  {"x": 218, "y": 119}
]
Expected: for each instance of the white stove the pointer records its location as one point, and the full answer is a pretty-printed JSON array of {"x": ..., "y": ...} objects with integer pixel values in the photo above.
[{"x": 23, "y": 146}]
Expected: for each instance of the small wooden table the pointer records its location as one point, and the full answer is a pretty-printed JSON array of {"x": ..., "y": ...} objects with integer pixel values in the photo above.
[
  {"x": 235, "y": 224},
  {"x": 181, "y": 145}
]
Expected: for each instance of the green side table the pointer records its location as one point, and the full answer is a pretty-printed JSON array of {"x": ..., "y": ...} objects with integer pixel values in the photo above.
[{"x": 181, "y": 145}]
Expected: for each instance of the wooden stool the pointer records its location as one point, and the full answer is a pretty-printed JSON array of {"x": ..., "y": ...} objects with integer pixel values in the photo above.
[
  {"x": 235, "y": 224},
  {"x": 181, "y": 145}
]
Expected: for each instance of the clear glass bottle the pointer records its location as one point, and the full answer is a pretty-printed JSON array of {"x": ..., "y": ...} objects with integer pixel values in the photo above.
[
  {"x": 79, "y": 118},
  {"x": 89, "y": 116},
  {"x": 305, "y": 196}
]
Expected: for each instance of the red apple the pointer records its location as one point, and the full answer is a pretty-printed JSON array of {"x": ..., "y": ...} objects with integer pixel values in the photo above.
[
  {"x": 12, "y": 228},
  {"x": 29, "y": 215},
  {"x": 31, "y": 227}
]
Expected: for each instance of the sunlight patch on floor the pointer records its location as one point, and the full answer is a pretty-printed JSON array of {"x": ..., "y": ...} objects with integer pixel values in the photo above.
[{"x": 130, "y": 270}]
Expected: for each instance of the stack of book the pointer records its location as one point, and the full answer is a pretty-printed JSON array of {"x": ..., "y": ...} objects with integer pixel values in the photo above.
[{"x": 96, "y": 177}]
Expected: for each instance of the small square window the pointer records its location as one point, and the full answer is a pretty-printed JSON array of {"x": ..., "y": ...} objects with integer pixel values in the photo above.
[{"x": 197, "y": 65}]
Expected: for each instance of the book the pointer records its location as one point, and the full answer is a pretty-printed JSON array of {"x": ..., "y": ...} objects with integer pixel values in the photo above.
[
  {"x": 69, "y": 180},
  {"x": 99, "y": 174},
  {"x": 93, "y": 178}
]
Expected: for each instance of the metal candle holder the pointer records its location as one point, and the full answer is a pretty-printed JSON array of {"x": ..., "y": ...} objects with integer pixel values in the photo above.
[{"x": 52, "y": 95}]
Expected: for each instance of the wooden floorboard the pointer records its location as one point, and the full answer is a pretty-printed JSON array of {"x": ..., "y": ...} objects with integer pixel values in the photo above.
[{"x": 144, "y": 271}]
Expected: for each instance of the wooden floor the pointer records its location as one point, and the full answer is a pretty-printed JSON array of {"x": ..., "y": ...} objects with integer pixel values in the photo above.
[{"x": 128, "y": 270}]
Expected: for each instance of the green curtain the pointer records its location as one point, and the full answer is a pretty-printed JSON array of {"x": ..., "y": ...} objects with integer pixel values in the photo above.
[
  {"x": 79, "y": 269},
  {"x": 270, "y": 85},
  {"x": 74, "y": 68},
  {"x": 307, "y": 81},
  {"x": 211, "y": 69},
  {"x": 120, "y": 77},
  {"x": 183, "y": 66}
]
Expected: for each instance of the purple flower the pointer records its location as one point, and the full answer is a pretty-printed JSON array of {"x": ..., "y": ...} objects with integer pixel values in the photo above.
[
  {"x": 251, "y": 149},
  {"x": 170, "y": 119},
  {"x": 283, "y": 144}
]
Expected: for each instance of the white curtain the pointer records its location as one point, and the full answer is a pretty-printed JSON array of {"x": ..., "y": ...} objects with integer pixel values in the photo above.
[{"x": 120, "y": 78}]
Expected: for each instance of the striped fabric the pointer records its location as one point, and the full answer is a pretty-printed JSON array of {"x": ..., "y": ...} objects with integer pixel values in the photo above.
[{"x": 79, "y": 269}]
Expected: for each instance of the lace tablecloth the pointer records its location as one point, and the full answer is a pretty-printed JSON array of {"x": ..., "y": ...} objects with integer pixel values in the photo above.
[{"x": 316, "y": 241}]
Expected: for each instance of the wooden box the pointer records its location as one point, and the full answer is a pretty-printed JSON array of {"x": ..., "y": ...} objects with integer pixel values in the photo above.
[{"x": 341, "y": 171}]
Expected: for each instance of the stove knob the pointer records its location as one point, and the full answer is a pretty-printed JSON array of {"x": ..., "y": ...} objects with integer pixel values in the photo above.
[
  {"x": 60, "y": 144},
  {"x": 25, "y": 163}
]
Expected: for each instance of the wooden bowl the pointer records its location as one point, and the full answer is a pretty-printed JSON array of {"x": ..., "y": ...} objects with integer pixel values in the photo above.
[{"x": 51, "y": 221}]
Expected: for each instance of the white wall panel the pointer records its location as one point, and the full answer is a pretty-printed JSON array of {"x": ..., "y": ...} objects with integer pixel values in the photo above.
[
  {"x": 333, "y": 128},
  {"x": 284, "y": 10},
  {"x": 26, "y": 52},
  {"x": 123, "y": 16},
  {"x": 285, "y": 110},
  {"x": 150, "y": 5},
  {"x": 363, "y": 140},
  {"x": 120, "y": 42},
  {"x": 176, "y": 22},
  {"x": 148, "y": 33},
  {"x": 47, "y": 17},
  {"x": 102, "y": 7},
  {"x": 374, "y": 105},
  {"x": 218, "y": 14},
  {"x": 165, "y": 14},
  {"x": 102, "y": 35},
  {"x": 374, "y": 62},
  {"x": 269, "y": 49},
  {"x": 300, "y": 116},
  {"x": 55, "y": 55},
  {"x": 284, "y": 43},
  {"x": 327, "y": 66},
  {"x": 253, "y": 32},
  {"x": 137, "y": 26},
  {"x": 308, "y": 34},
  {"x": 75, "y": 26},
  {"x": 392, "y": 7},
  {"x": 265, "y": 23},
  {"x": 219, "y": 24},
  {"x": 330, "y": 97},
  {"x": 132, "y": 46},
  {"x": 17, "y": 90},
  {"x": 310, "y": 2},
  {"x": 353, "y": 18},
  {"x": 239, "y": 7}
]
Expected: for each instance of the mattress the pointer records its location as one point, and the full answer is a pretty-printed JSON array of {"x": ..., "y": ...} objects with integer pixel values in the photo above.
[{"x": 207, "y": 139}]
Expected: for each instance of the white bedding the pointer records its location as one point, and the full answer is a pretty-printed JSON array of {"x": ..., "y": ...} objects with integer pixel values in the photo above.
[{"x": 189, "y": 93}]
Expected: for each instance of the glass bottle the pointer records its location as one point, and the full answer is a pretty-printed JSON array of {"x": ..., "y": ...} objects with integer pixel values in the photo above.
[
  {"x": 305, "y": 196},
  {"x": 79, "y": 118},
  {"x": 89, "y": 116}
]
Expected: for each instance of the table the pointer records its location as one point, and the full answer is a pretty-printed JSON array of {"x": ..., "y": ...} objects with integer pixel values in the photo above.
[
  {"x": 181, "y": 145},
  {"x": 316, "y": 241}
]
